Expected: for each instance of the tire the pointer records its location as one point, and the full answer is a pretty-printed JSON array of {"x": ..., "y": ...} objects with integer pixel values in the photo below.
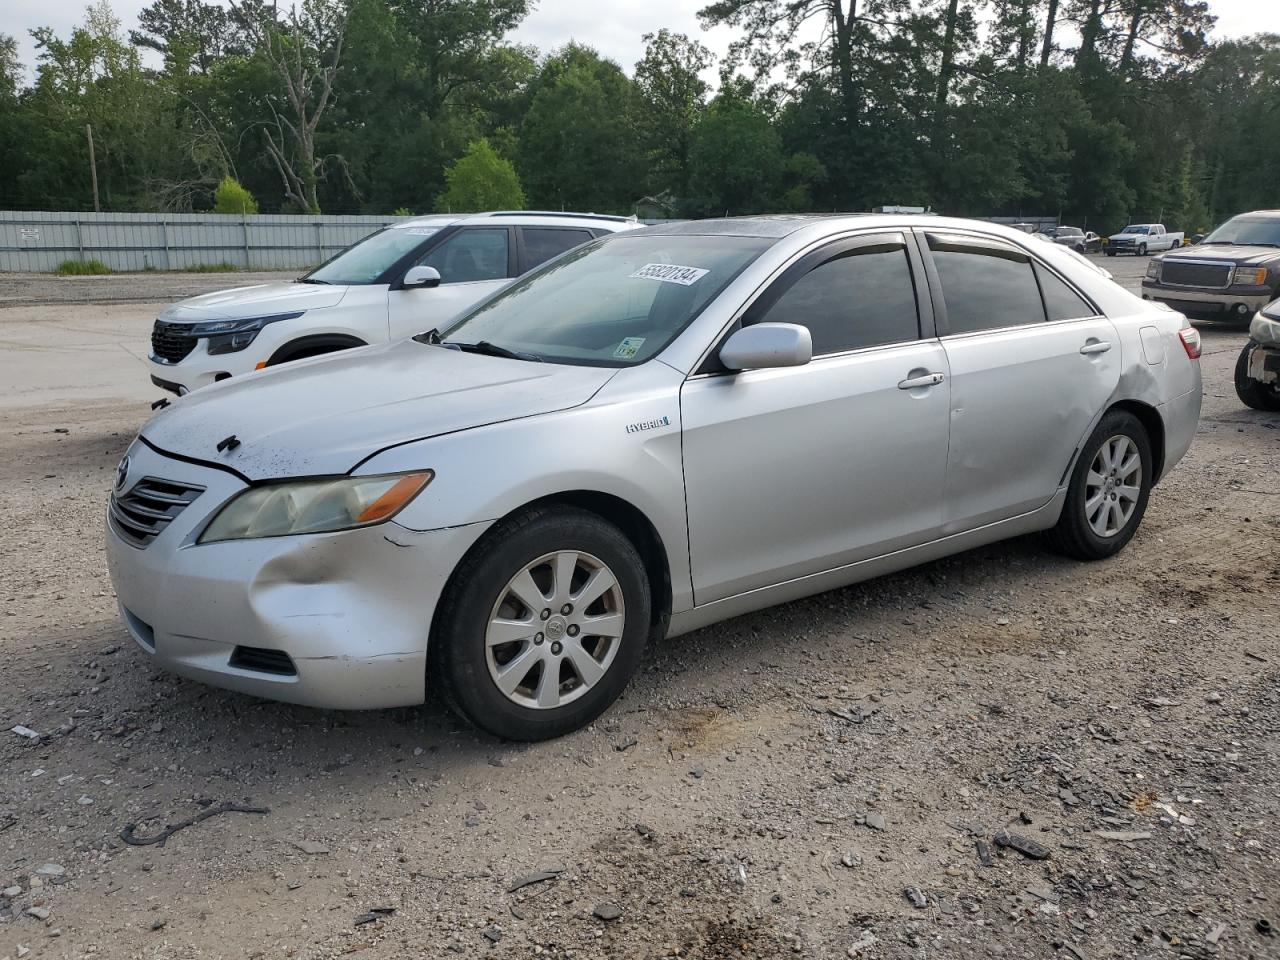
[
  {"x": 1110, "y": 253},
  {"x": 1075, "y": 533},
  {"x": 1254, "y": 393},
  {"x": 1142, "y": 249},
  {"x": 1079, "y": 248},
  {"x": 483, "y": 595}
]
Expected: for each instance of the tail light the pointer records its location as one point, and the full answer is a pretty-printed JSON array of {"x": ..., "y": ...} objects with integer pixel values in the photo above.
[{"x": 1190, "y": 338}]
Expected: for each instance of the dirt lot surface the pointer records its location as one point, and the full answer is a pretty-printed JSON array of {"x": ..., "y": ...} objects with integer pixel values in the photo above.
[{"x": 772, "y": 786}]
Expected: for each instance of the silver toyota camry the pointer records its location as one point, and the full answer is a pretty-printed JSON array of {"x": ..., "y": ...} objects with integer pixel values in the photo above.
[{"x": 653, "y": 432}]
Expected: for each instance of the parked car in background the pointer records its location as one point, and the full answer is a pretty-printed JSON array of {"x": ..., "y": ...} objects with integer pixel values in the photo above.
[
  {"x": 1258, "y": 369},
  {"x": 1141, "y": 239},
  {"x": 1081, "y": 241},
  {"x": 1230, "y": 275},
  {"x": 661, "y": 429},
  {"x": 407, "y": 278}
]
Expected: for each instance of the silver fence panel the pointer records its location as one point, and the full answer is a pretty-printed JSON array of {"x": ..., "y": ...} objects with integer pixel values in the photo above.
[{"x": 37, "y": 241}]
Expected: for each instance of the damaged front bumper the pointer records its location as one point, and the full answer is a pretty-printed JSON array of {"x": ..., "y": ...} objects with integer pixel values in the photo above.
[
  {"x": 1264, "y": 358},
  {"x": 336, "y": 620}
]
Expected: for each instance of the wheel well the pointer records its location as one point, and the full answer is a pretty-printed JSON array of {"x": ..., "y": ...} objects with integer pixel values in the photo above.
[
  {"x": 638, "y": 529},
  {"x": 1151, "y": 422},
  {"x": 312, "y": 345}
]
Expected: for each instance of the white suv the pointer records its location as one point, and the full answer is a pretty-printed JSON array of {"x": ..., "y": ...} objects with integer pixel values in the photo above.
[{"x": 398, "y": 282}]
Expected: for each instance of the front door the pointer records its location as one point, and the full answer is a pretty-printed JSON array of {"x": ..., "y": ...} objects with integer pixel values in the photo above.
[
  {"x": 473, "y": 263},
  {"x": 793, "y": 471},
  {"x": 1032, "y": 364}
]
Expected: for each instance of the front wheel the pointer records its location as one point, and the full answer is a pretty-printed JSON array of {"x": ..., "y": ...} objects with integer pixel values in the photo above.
[
  {"x": 543, "y": 624},
  {"x": 1110, "y": 253},
  {"x": 1142, "y": 249},
  {"x": 1108, "y": 492},
  {"x": 1254, "y": 393}
]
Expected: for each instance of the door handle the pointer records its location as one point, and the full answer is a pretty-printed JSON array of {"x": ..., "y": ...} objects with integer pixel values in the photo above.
[
  {"x": 928, "y": 380},
  {"x": 1095, "y": 346}
]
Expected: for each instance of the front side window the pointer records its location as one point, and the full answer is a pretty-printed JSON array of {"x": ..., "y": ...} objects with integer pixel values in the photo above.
[
  {"x": 543, "y": 243},
  {"x": 368, "y": 260},
  {"x": 863, "y": 298},
  {"x": 985, "y": 285},
  {"x": 470, "y": 255},
  {"x": 615, "y": 302}
]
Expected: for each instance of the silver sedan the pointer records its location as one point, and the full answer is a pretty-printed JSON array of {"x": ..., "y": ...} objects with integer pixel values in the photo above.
[{"x": 653, "y": 432}]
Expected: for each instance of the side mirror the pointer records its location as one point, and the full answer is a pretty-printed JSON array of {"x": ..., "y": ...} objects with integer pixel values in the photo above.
[
  {"x": 767, "y": 345},
  {"x": 421, "y": 278}
]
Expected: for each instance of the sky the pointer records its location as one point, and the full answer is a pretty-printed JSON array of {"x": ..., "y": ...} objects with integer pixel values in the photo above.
[{"x": 616, "y": 33}]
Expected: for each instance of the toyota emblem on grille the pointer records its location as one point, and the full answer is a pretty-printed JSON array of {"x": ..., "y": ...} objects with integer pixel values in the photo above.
[{"x": 122, "y": 472}]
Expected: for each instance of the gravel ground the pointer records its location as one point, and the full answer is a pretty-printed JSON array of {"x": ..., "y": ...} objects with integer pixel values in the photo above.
[{"x": 772, "y": 786}]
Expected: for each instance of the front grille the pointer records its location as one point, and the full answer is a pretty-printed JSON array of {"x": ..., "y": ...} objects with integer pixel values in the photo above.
[
  {"x": 140, "y": 515},
  {"x": 262, "y": 660},
  {"x": 1184, "y": 273},
  {"x": 170, "y": 342}
]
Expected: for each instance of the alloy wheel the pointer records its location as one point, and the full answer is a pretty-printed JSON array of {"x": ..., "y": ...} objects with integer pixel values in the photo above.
[
  {"x": 1113, "y": 486},
  {"x": 555, "y": 630}
]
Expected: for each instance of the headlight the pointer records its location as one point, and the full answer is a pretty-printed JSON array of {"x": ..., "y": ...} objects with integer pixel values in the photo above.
[
  {"x": 314, "y": 506},
  {"x": 1252, "y": 276},
  {"x": 228, "y": 336},
  {"x": 1153, "y": 270}
]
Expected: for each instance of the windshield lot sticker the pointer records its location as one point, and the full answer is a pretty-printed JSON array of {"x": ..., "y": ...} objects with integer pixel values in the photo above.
[
  {"x": 671, "y": 273},
  {"x": 628, "y": 348}
]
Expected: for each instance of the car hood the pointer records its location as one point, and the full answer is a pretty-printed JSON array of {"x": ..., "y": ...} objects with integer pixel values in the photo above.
[
  {"x": 1255, "y": 256},
  {"x": 325, "y": 415},
  {"x": 259, "y": 300}
]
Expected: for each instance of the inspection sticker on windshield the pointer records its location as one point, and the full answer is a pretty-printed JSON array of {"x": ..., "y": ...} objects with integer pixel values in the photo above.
[
  {"x": 628, "y": 348},
  {"x": 671, "y": 273}
]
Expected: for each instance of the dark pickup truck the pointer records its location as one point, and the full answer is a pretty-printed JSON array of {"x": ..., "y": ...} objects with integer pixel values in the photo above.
[{"x": 1229, "y": 275}]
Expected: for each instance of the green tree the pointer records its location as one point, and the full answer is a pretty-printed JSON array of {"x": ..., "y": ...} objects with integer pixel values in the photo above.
[
  {"x": 231, "y": 197},
  {"x": 736, "y": 159},
  {"x": 481, "y": 180},
  {"x": 674, "y": 96},
  {"x": 578, "y": 143}
]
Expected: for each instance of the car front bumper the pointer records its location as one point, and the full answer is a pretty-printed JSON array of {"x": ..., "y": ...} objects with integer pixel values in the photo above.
[
  {"x": 350, "y": 611},
  {"x": 1241, "y": 301}
]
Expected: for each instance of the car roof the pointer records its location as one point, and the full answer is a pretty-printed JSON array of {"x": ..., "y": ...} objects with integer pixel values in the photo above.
[
  {"x": 1258, "y": 213},
  {"x": 540, "y": 218},
  {"x": 783, "y": 225}
]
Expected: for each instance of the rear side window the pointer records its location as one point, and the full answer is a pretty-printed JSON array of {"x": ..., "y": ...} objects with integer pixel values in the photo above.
[
  {"x": 543, "y": 243},
  {"x": 1060, "y": 301},
  {"x": 985, "y": 286},
  {"x": 863, "y": 298},
  {"x": 471, "y": 254}
]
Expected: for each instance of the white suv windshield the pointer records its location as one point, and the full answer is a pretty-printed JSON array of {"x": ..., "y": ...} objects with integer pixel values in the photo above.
[
  {"x": 611, "y": 303},
  {"x": 371, "y": 257},
  {"x": 1248, "y": 231}
]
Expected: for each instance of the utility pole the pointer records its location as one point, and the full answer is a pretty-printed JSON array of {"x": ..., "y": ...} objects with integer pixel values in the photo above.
[{"x": 93, "y": 167}]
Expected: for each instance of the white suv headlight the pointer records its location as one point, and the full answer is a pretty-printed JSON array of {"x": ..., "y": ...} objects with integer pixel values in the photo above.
[{"x": 314, "y": 506}]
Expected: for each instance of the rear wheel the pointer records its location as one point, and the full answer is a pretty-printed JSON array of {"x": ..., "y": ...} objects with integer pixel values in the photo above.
[
  {"x": 1253, "y": 393},
  {"x": 543, "y": 625},
  {"x": 1108, "y": 492}
]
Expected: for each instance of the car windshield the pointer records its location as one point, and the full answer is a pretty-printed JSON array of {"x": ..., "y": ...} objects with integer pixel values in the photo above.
[
  {"x": 611, "y": 303},
  {"x": 1248, "y": 231},
  {"x": 1134, "y": 230},
  {"x": 371, "y": 257}
]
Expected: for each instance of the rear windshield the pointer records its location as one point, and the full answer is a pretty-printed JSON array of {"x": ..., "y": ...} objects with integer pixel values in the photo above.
[
  {"x": 616, "y": 302},
  {"x": 1248, "y": 232},
  {"x": 371, "y": 257}
]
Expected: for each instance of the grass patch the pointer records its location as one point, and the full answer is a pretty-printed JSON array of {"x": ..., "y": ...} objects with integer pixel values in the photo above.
[
  {"x": 223, "y": 267},
  {"x": 80, "y": 268}
]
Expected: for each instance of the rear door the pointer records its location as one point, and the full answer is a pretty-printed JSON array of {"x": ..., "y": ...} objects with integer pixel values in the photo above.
[
  {"x": 797, "y": 470},
  {"x": 473, "y": 263},
  {"x": 1032, "y": 364}
]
